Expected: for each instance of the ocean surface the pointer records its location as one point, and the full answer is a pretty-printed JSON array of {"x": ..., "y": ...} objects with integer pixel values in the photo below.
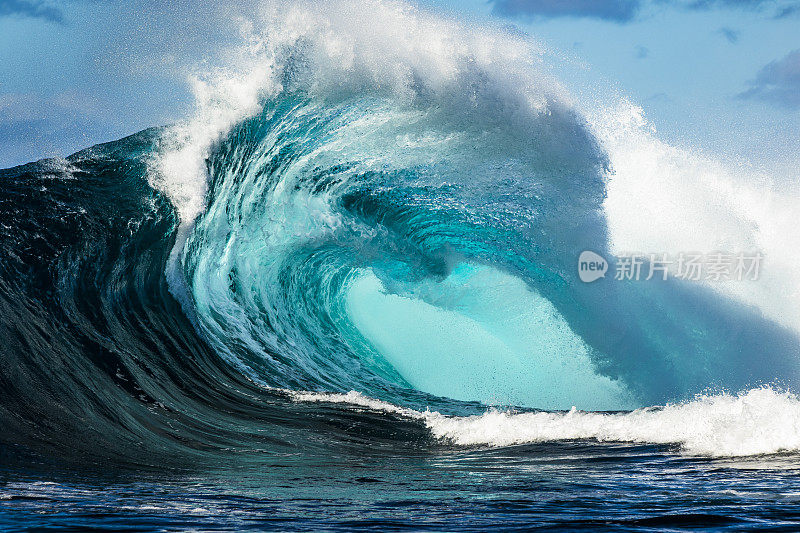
[{"x": 344, "y": 294}]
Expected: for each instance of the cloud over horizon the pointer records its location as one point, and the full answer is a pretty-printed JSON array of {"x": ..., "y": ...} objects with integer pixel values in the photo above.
[
  {"x": 31, "y": 9},
  {"x": 777, "y": 82},
  {"x": 613, "y": 10},
  {"x": 623, "y": 11},
  {"x": 731, "y": 35}
]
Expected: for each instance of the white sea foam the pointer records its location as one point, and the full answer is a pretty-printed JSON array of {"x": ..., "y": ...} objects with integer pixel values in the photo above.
[
  {"x": 759, "y": 421},
  {"x": 407, "y": 52},
  {"x": 356, "y": 399}
]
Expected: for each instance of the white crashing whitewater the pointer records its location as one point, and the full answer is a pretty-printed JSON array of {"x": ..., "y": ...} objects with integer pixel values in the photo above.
[
  {"x": 694, "y": 203},
  {"x": 652, "y": 181},
  {"x": 759, "y": 421},
  {"x": 403, "y": 46}
]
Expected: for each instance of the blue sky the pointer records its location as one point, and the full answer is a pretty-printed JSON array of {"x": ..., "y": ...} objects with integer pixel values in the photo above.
[{"x": 719, "y": 75}]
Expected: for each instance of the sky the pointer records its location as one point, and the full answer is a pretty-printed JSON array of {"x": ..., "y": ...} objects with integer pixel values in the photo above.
[{"x": 720, "y": 76}]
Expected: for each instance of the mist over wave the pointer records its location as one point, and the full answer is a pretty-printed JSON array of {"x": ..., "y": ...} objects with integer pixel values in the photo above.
[{"x": 692, "y": 202}]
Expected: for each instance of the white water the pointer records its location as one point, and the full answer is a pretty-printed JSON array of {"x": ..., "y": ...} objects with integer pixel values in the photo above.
[
  {"x": 403, "y": 47},
  {"x": 759, "y": 421},
  {"x": 666, "y": 199}
]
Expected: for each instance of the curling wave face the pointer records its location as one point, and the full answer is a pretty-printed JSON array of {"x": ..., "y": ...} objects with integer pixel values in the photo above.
[{"x": 408, "y": 214}]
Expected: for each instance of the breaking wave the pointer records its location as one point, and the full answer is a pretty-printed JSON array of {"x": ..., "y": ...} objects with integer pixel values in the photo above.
[{"x": 396, "y": 212}]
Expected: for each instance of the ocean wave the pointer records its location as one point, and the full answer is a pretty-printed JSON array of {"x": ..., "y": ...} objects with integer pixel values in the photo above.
[
  {"x": 407, "y": 214},
  {"x": 399, "y": 216}
]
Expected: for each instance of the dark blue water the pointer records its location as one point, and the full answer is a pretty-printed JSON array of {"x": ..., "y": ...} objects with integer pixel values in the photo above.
[{"x": 568, "y": 486}]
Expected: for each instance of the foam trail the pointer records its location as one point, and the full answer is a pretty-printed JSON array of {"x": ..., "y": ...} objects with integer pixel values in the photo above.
[{"x": 755, "y": 422}]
